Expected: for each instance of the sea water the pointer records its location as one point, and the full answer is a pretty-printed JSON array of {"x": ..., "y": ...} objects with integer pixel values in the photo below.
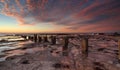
[{"x": 11, "y": 42}]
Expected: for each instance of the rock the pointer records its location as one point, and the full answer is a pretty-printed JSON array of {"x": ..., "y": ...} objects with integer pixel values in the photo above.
[
  {"x": 51, "y": 51},
  {"x": 98, "y": 68},
  {"x": 118, "y": 65},
  {"x": 97, "y": 63},
  {"x": 2, "y": 56},
  {"x": 25, "y": 62},
  {"x": 110, "y": 62},
  {"x": 10, "y": 58},
  {"x": 24, "y": 48},
  {"x": 101, "y": 49},
  {"x": 3, "y": 40},
  {"x": 66, "y": 66},
  {"x": 116, "y": 53},
  {"x": 58, "y": 52},
  {"x": 116, "y": 50},
  {"x": 118, "y": 60},
  {"x": 59, "y": 65}
]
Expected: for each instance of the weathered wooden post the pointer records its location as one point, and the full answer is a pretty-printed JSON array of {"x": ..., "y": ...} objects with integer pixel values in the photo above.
[
  {"x": 29, "y": 38},
  {"x": 39, "y": 39},
  {"x": 119, "y": 49},
  {"x": 53, "y": 40},
  {"x": 65, "y": 46},
  {"x": 35, "y": 38},
  {"x": 84, "y": 45},
  {"x": 32, "y": 38},
  {"x": 45, "y": 38}
]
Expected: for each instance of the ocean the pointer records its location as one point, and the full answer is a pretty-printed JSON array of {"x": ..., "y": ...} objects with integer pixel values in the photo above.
[{"x": 8, "y": 42}]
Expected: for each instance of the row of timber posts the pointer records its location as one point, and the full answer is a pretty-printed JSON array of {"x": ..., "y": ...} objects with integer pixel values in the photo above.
[
  {"x": 84, "y": 43},
  {"x": 39, "y": 38},
  {"x": 35, "y": 38}
]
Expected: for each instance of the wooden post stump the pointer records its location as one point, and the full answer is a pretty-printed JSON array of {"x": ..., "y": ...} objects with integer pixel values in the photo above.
[
  {"x": 84, "y": 46},
  {"x": 46, "y": 39},
  {"x": 39, "y": 39},
  {"x": 31, "y": 38},
  {"x": 119, "y": 49},
  {"x": 28, "y": 37},
  {"x": 65, "y": 46},
  {"x": 53, "y": 40},
  {"x": 35, "y": 38}
]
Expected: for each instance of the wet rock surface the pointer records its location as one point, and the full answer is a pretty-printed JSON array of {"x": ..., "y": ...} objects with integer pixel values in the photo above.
[
  {"x": 102, "y": 55},
  {"x": 59, "y": 65}
]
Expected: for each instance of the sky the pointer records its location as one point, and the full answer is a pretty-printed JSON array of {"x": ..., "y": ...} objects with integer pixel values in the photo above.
[{"x": 38, "y": 16}]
